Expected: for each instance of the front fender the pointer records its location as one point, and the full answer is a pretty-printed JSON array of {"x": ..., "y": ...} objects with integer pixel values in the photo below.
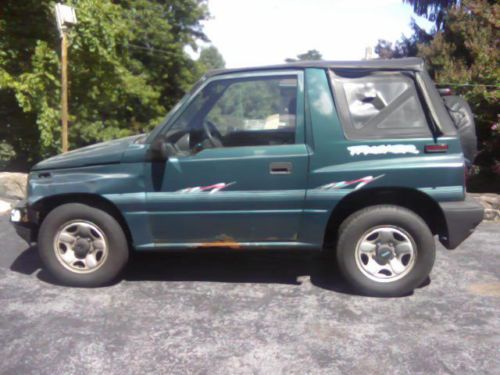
[
  {"x": 101, "y": 180},
  {"x": 121, "y": 185}
]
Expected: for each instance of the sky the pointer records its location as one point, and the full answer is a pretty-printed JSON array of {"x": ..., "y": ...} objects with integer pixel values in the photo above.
[{"x": 261, "y": 32}]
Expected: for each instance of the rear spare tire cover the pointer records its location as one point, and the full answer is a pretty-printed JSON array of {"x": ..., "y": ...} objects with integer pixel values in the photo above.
[{"x": 463, "y": 120}]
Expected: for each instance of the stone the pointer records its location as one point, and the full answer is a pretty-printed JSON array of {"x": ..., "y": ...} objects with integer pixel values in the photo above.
[
  {"x": 491, "y": 204},
  {"x": 4, "y": 206},
  {"x": 13, "y": 185},
  {"x": 491, "y": 214}
]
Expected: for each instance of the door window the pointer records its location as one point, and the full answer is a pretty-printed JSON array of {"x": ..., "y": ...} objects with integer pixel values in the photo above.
[{"x": 255, "y": 111}]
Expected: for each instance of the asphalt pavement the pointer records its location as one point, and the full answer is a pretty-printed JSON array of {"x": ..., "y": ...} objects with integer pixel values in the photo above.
[{"x": 249, "y": 313}]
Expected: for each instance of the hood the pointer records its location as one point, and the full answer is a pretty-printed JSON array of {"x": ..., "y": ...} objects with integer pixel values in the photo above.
[{"x": 100, "y": 153}]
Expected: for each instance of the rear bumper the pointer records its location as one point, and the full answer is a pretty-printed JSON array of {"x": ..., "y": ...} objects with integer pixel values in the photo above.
[{"x": 461, "y": 219}]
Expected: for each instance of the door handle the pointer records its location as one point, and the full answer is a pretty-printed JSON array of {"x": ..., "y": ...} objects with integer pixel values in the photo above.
[{"x": 280, "y": 168}]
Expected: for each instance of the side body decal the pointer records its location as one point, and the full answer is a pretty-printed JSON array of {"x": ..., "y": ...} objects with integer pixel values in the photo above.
[
  {"x": 382, "y": 149},
  {"x": 360, "y": 182},
  {"x": 211, "y": 189}
]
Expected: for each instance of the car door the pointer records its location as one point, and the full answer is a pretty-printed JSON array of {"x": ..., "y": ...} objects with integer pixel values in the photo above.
[{"x": 239, "y": 171}]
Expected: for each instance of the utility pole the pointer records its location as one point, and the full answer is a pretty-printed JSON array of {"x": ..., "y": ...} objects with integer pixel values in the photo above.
[
  {"x": 64, "y": 90},
  {"x": 66, "y": 17},
  {"x": 368, "y": 53}
]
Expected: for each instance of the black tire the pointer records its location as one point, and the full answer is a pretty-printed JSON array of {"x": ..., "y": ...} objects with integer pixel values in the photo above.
[
  {"x": 116, "y": 242},
  {"x": 356, "y": 227}
]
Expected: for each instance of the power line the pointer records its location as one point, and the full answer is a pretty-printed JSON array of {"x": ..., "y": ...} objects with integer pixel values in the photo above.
[
  {"x": 151, "y": 49},
  {"x": 156, "y": 56},
  {"x": 468, "y": 85}
]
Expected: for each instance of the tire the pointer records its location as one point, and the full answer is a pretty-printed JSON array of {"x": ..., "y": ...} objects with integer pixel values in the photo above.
[
  {"x": 385, "y": 251},
  {"x": 82, "y": 246}
]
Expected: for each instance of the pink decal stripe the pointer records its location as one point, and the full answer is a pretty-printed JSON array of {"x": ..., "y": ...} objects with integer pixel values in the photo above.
[
  {"x": 210, "y": 188},
  {"x": 342, "y": 184}
]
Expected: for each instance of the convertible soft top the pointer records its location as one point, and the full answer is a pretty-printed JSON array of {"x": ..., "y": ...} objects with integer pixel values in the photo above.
[{"x": 409, "y": 63}]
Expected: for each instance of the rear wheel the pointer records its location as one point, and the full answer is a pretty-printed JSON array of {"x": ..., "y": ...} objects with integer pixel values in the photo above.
[
  {"x": 385, "y": 250},
  {"x": 82, "y": 246}
]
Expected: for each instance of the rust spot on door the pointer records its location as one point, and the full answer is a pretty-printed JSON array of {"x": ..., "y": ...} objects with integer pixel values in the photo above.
[
  {"x": 230, "y": 245},
  {"x": 222, "y": 241}
]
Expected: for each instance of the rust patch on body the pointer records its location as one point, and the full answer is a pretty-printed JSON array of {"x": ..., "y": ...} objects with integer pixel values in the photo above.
[
  {"x": 221, "y": 241},
  {"x": 230, "y": 245}
]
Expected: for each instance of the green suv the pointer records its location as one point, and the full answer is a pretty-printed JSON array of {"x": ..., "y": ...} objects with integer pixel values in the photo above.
[{"x": 365, "y": 159}]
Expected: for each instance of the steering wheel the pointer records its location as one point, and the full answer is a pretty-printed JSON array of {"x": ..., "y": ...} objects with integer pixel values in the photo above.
[{"x": 212, "y": 133}]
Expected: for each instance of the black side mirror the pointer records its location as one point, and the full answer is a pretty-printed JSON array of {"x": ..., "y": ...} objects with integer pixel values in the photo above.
[{"x": 161, "y": 149}]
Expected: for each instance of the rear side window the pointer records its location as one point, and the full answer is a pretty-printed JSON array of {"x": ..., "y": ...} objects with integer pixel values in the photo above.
[{"x": 379, "y": 105}]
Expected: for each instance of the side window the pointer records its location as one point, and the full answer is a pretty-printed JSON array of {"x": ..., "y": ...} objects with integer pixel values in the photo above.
[
  {"x": 255, "y": 111},
  {"x": 380, "y": 106}
]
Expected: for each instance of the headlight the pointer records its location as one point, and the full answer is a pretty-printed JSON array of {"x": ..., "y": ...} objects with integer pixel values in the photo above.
[
  {"x": 19, "y": 214},
  {"x": 16, "y": 215}
]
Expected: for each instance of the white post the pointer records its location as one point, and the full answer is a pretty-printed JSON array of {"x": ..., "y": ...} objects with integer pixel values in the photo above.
[{"x": 65, "y": 17}]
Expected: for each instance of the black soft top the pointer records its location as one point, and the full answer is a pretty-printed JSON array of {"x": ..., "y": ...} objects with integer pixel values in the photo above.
[{"x": 409, "y": 63}]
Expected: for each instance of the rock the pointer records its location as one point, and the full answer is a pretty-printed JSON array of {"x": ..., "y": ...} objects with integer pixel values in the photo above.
[
  {"x": 491, "y": 204},
  {"x": 13, "y": 185},
  {"x": 492, "y": 200},
  {"x": 489, "y": 200},
  {"x": 4, "y": 206},
  {"x": 491, "y": 214}
]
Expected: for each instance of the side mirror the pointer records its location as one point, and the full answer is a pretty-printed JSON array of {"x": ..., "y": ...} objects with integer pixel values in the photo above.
[{"x": 161, "y": 149}]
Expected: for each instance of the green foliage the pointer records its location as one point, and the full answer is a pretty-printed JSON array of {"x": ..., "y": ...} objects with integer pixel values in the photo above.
[
  {"x": 466, "y": 56},
  {"x": 463, "y": 54},
  {"x": 127, "y": 67},
  {"x": 210, "y": 59},
  {"x": 406, "y": 46},
  {"x": 434, "y": 10},
  {"x": 312, "y": 54},
  {"x": 6, "y": 154}
]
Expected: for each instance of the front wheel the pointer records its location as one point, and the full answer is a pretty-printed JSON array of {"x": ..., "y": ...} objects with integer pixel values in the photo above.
[
  {"x": 385, "y": 250},
  {"x": 82, "y": 246}
]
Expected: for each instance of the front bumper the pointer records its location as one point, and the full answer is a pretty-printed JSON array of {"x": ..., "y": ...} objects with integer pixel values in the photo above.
[
  {"x": 461, "y": 219},
  {"x": 21, "y": 219}
]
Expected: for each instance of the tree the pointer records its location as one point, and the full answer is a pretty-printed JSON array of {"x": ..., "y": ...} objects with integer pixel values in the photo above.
[
  {"x": 406, "y": 46},
  {"x": 210, "y": 59},
  {"x": 386, "y": 50},
  {"x": 127, "y": 68},
  {"x": 465, "y": 55},
  {"x": 312, "y": 54},
  {"x": 18, "y": 128},
  {"x": 433, "y": 10}
]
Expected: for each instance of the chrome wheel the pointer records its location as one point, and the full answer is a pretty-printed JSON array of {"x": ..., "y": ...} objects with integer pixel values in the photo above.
[
  {"x": 81, "y": 246},
  {"x": 385, "y": 254}
]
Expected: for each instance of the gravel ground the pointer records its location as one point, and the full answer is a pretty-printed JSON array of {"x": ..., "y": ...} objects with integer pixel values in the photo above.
[{"x": 241, "y": 313}]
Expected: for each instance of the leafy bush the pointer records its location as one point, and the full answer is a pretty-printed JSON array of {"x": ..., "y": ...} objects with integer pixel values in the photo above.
[
  {"x": 7, "y": 153},
  {"x": 127, "y": 67}
]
